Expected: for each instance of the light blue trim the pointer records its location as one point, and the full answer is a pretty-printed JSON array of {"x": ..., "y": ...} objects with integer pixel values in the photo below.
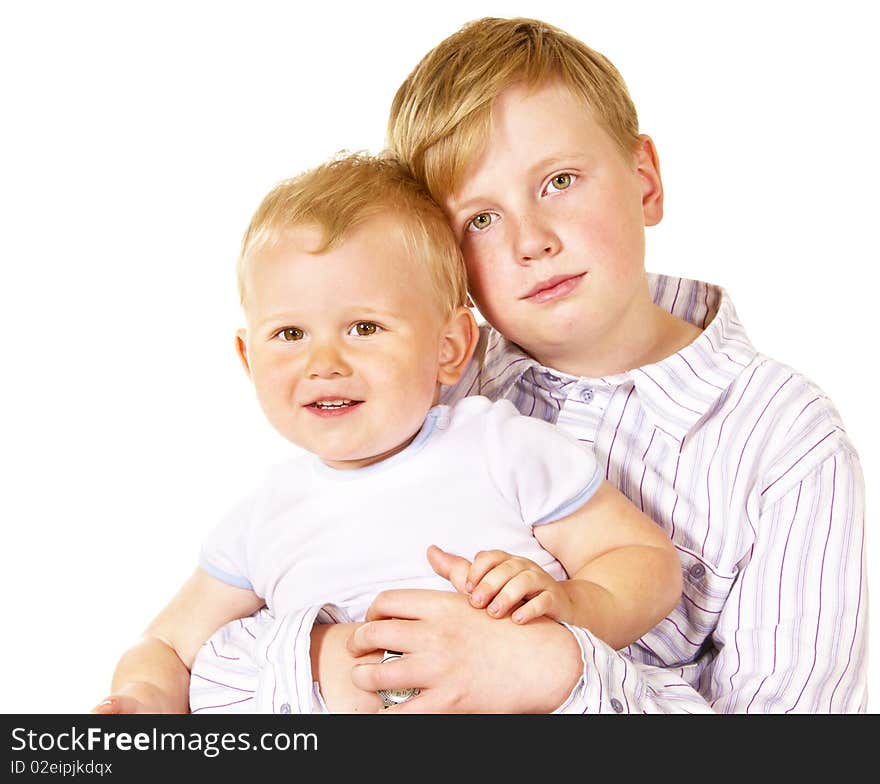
[
  {"x": 435, "y": 415},
  {"x": 575, "y": 503},
  {"x": 225, "y": 577}
]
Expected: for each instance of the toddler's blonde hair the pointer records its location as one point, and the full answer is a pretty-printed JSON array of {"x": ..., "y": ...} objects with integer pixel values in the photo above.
[
  {"x": 343, "y": 194},
  {"x": 441, "y": 114}
]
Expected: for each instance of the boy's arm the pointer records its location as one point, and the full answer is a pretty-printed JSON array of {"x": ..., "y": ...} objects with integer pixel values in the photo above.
[
  {"x": 625, "y": 574},
  {"x": 153, "y": 675}
]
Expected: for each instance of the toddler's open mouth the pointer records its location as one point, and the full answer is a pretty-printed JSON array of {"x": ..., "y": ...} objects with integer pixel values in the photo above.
[{"x": 333, "y": 405}]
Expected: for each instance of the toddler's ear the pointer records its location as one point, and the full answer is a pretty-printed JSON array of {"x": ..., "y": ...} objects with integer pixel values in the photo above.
[
  {"x": 241, "y": 350},
  {"x": 457, "y": 344}
]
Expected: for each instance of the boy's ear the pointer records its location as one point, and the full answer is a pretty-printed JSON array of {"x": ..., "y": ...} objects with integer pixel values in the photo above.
[
  {"x": 648, "y": 169},
  {"x": 241, "y": 350},
  {"x": 458, "y": 341}
]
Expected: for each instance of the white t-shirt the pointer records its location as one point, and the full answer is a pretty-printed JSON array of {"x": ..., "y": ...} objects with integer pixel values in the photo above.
[{"x": 477, "y": 476}]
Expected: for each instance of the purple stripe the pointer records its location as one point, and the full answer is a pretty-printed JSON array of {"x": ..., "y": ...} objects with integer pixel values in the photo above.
[
  {"x": 682, "y": 634},
  {"x": 473, "y": 384},
  {"x": 299, "y": 632},
  {"x": 221, "y": 656},
  {"x": 821, "y": 579},
  {"x": 752, "y": 431},
  {"x": 680, "y": 405},
  {"x": 712, "y": 460},
  {"x": 674, "y": 437},
  {"x": 275, "y": 679},
  {"x": 700, "y": 607},
  {"x": 797, "y": 504},
  {"x": 623, "y": 689},
  {"x": 723, "y": 353},
  {"x": 675, "y": 490},
  {"x": 737, "y": 630},
  {"x": 706, "y": 316},
  {"x": 616, "y": 428},
  {"x": 220, "y": 683},
  {"x": 677, "y": 289},
  {"x": 644, "y": 471},
  {"x": 641, "y": 643},
  {"x": 796, "y": 462},
  {"x": 801, "y": 412},
  {"x": 855, "y": 627},
  {"x": 508, "y": 367},
  {"x": 222, "y": 705},
  {"x": 684, "y": 359}
]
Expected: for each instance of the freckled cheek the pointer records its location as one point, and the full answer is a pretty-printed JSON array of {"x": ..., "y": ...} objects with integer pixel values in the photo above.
[
  {"x": 488, "y": 280},
  {"x": 615, "y": 248}
]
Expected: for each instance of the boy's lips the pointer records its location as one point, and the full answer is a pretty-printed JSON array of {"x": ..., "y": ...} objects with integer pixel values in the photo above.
[{"x": 553, "y": 288}]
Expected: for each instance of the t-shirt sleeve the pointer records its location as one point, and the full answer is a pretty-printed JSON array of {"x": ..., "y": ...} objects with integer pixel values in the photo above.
[
  {"x": 546, "y": 472},
  {"x": 224, "y": 551}
]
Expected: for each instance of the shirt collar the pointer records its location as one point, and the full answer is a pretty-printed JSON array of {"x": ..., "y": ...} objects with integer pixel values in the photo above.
[{"x": 675, "y": 393}]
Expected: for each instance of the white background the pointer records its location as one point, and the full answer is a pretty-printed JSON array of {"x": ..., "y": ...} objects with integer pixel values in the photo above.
[{"x": 137, "y": 139}]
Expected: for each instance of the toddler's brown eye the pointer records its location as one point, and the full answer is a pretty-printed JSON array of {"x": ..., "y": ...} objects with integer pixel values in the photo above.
[
  {"x": 481, "y": 221},
  {"x": 291, "y": 333},
  {"x": 561, "y": 181},
  {"x": 365, "y": 328}
]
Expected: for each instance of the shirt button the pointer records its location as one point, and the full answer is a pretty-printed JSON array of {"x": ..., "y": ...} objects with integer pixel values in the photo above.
[
  {"x": 587, "y": 395},
  {"x": 550, "y": 377},
  {"x": 697, "y": 571},
  {"x": 285, "y": 708},
  {"x": 616, "y": 705}
]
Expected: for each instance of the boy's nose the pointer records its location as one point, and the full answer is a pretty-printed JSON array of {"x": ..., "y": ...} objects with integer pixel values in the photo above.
[
  {"x": 535, "y": 240},
  {"x": 326, "y": 361}
]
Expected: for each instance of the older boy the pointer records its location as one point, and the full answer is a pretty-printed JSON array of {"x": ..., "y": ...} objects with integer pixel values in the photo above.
[
  {"x": 531, "y": 143},
  {"x": 354, "y": 293}
]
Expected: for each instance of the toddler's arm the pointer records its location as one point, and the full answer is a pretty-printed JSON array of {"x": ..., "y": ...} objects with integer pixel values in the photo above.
[
  {"x": 153, "y": 675},
  {"x": 625, "y": 574}
]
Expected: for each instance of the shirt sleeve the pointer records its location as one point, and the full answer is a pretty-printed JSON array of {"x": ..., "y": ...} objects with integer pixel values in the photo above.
[
  {"x": 792, "y": 637},
  {"x": 224, "y": 552},
  {"x": 539, "y": 468},
  {"x": 260, "y": 664}
]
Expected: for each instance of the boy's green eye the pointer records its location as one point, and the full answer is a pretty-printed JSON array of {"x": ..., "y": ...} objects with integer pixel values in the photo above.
[
  {"x": 289, "y": 334},
  {"x": 561, "y": 181},
  {"x": 364, "y": 329},
  {"x": 481, "y": 221}
]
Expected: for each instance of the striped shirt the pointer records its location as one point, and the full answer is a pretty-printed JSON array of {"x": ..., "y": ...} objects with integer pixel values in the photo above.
[{"x": 747, "y": 466}]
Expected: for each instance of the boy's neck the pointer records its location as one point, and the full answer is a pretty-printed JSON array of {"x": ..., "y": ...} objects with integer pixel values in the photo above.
[{"x": 647, "y": 334}]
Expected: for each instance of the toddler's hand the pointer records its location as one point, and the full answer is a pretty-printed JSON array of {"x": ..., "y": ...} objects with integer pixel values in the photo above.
[{"x": 502, "y": 581}]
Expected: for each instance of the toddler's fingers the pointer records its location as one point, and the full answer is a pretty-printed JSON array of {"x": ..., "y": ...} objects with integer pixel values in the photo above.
[
  {"x": 484, "y": 562},
  {"x": 535, "y": 607},
  {"x": 522, "y": 585}
]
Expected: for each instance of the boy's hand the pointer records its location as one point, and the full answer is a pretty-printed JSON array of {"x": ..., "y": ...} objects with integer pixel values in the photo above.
[
  {"x": 502, "y": 581},
  {"x": 120, "y": 703}
]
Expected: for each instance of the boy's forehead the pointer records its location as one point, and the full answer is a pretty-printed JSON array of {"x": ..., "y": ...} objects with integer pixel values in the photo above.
[{"x": 540, "y": 125}]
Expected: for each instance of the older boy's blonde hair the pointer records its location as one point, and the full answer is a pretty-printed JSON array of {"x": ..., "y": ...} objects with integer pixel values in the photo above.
[
  {"x": 441, "y": 114},
  {"x": 343, "y": 194}
]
